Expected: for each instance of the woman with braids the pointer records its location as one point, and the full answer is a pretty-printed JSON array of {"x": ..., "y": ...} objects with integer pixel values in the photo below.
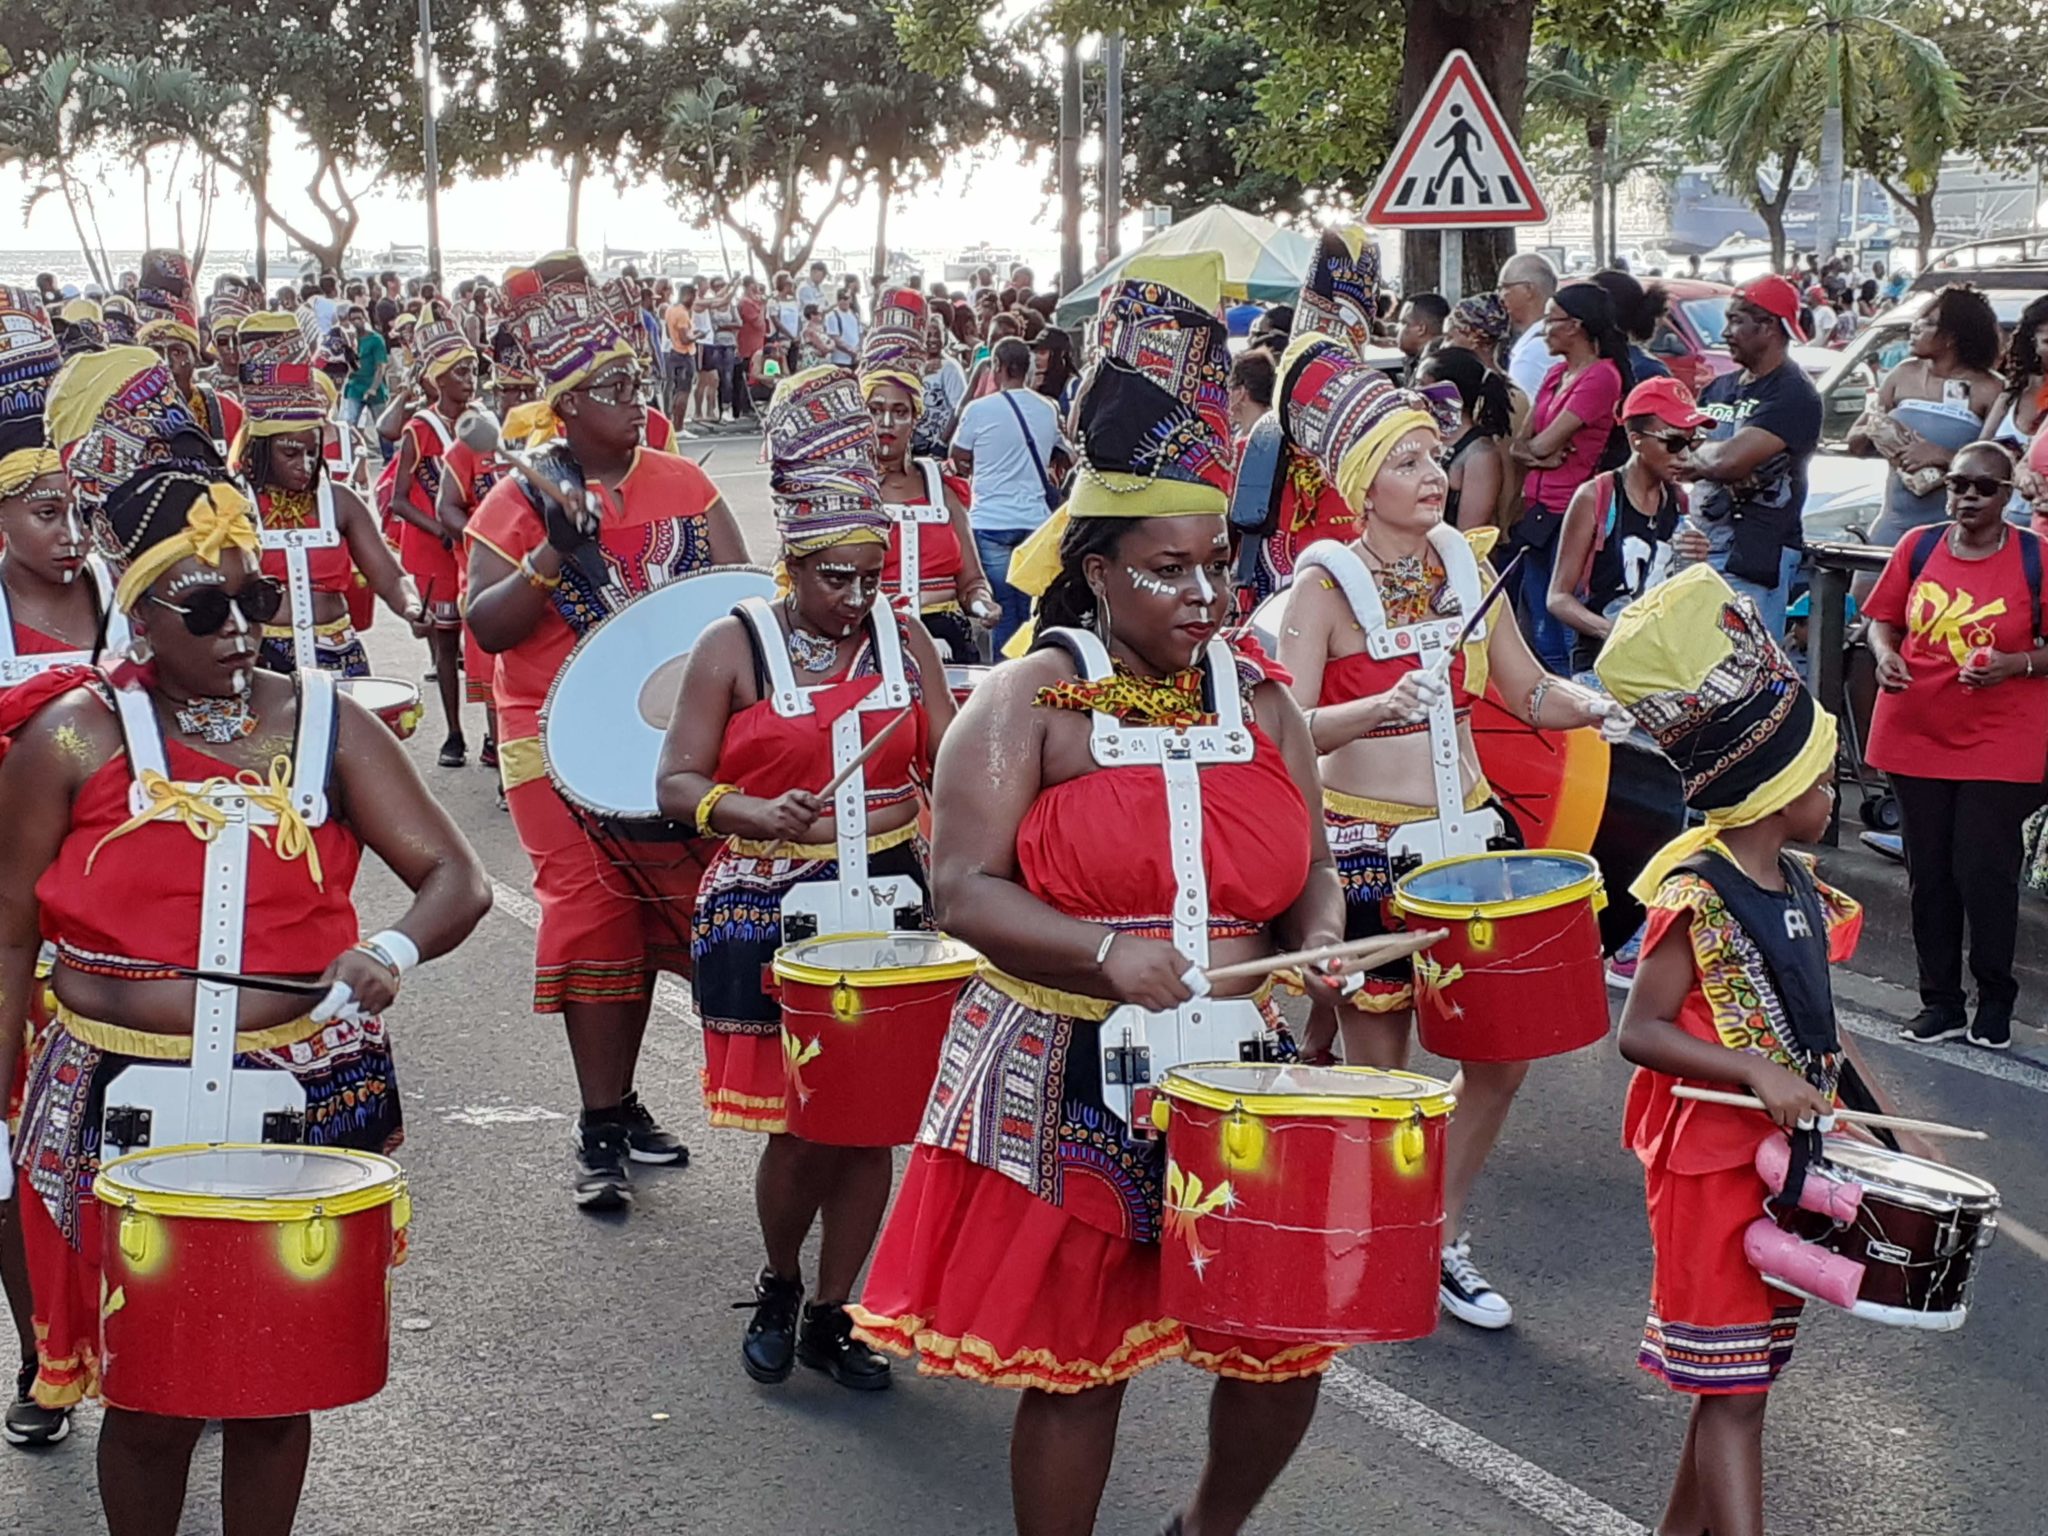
[
  {"x": 1477, "y": 456},
  {"x": 1562, "y": 445},
  {"x": 1024, "y": 1248},
  {"x": 942, "y": 582},
  {"x": 119, "y": 895},
  {"x": 283, "y": 461}
]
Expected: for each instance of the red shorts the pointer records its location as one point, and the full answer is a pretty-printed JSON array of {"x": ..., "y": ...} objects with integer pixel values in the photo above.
[
  {"x": 602, "y": 929},
  {"x": 981, "y": 1279},
  {"x": 1714, "y": 1325}
]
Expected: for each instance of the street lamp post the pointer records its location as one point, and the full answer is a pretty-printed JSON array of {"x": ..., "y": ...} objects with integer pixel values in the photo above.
[
  {"x": 1112, "y": 144},
  {"x": 429, "y": 148}
]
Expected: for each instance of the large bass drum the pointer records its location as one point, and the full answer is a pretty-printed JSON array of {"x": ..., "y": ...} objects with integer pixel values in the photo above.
[{"x": 602, "y": 723}]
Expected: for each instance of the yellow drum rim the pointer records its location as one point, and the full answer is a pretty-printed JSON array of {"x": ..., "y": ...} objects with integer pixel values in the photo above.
[
  {"x": 110, "y": 1189},
  {"x": 1176, "y": 1085},
  {"x": 789, "y": 968},
  {"x": 1583, "y": 889}
]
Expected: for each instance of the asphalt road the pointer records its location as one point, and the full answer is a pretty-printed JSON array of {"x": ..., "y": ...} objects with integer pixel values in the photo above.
[{"x": 554, "y": 1372}]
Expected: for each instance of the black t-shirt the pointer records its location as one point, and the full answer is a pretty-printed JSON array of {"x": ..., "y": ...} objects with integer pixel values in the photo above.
[
  {"x": 1752, "y": 519},
  {"x": 1632, "y": 555}
]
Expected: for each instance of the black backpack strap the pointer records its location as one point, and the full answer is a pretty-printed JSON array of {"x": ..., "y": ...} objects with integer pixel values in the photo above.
[
  {"x": 1923, "y": 551},
  {"x": 2030, "y": 564}
]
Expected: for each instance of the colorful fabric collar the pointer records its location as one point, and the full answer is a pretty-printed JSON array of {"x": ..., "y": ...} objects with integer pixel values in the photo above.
[{"x": 1174, "y": 700}]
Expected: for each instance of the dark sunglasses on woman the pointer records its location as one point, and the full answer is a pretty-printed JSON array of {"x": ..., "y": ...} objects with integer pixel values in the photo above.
[
  {"x": 205, "y": 609},
  {"x": 1982, "y": 485}
]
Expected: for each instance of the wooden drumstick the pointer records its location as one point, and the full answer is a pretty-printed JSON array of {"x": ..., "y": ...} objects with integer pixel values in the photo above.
[
  {"x": 1377, "y": 950},
  {"x": 865, "y": 753},
  {"x": 1849, "y": 1116}
]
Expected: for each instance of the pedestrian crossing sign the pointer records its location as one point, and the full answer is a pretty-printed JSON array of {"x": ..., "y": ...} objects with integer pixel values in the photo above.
[{"x": 1456, "y": 166}]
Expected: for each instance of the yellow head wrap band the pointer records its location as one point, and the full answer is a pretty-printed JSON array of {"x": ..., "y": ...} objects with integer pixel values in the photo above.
[
  {"x": 218, "y": 521},
  {"x": 85, "y": 384},
  {"x": 23, "y": 467},
  {"x": 168, "y": 330}
]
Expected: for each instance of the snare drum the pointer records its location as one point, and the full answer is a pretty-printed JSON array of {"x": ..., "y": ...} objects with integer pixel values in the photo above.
[
  {"x": 1519, "y": 975},
  {"x": 1917, "y": 1234},
  {"x": 863, "y": 1018},
  {"x": 396, "y": 704},
  {"x": 247, "y": 1282},
  {"x": 1302, "y": 1203}
]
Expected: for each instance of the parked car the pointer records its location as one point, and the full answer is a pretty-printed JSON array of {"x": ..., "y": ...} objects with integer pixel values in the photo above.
[{"x": 1688, "y": 339}]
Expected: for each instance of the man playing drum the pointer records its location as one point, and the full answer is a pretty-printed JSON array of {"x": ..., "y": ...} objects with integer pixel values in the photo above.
[
  {"x": 1366, "y": 636},
  {"x": 1024, "y": 1249},
  {"x": 537, "y": 581},
  {"x": 750, "y": 763}
]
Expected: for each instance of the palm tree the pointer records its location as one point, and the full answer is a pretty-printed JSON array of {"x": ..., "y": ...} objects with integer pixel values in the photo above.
[
  {"x": 1567, "y": 86},
  {"x": 1772, "y": 60},
  {"x": 46, "y": 122}
]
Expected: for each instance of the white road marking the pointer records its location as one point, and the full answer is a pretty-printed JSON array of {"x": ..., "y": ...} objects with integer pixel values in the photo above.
[
  {"x": 1522, "y": 1482},
  {"x": 2002, "y": 1065}
]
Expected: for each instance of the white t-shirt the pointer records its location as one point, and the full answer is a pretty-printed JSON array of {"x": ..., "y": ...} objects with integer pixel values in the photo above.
[
  {"x": 1529, "y": 360},
  {"x": 811, "y": 293},
  {"x": 789, "y": 315},
  {"x": 701, "y": 326},
  {"x": 843, "y": 326},
  {"x": 1009, "y": 491}
]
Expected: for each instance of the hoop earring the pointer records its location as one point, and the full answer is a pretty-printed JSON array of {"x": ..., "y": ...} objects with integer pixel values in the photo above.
[
  {"x": 140, "y": 651},
  {"x": 1100, "y": 620}
]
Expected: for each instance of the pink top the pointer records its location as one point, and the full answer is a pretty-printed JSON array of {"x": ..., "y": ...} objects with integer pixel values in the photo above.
[{"x": 1594, "y": 397}]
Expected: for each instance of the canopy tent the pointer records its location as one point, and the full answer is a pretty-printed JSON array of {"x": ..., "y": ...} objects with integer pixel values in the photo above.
[{"x": 1261, "y": 260}]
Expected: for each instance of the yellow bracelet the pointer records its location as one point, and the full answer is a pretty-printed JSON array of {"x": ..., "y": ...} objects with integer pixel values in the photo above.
[
  {"x": 712, "y": 796},
  {"x": 533, "y": 577}
]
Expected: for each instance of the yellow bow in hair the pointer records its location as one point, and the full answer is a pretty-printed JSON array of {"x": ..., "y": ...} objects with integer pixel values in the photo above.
[
  {"x": 530, "y": 425},
  {"x": 218, "y": 519}
]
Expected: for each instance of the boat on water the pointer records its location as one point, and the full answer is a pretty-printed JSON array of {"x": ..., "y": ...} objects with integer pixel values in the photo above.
[{"x": 961, "y": 268}]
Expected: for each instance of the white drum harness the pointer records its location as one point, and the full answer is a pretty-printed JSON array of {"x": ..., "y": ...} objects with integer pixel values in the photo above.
[
  {"x": 19, "y": 669},
  {"x": 321, "y": 534}
]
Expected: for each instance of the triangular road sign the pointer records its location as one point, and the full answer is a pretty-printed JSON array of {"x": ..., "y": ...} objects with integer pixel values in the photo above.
[{"x": 1456, "y": 165}]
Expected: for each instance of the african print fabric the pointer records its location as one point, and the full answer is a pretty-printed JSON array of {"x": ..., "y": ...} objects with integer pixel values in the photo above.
[
  {"x": 1341, "y": 293},
  {"x": 821, "y": 451}
]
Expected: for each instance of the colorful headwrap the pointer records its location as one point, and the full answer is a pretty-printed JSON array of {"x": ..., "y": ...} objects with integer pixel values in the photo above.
[
  {"x": 892, "y": 351},
  {"x": 820, "y": 444},
  {"x": 282, "y": 390},
  {"x": 122, "y": 322},
  {"x": 1153, "y": 415},
  {"x": 442, "y": 346},
  {"x": 1698, "y": 668},
  {"x": 510, "y": 366},
  {"x": 81, "y": 327},
  {"x": 1484, "y": 315},
  {"x": 226, "y": 310},
  {"x": 166, "y": 514},
  {"x": 1344, "y": 415},
  {"x": 112, "y": 415},
  {"x": 564, "y": 326},
  {"x": 621, "y": 299},
  {"x": 163, "y": 300},
  {"x": 1341, "y": 293},
  {"x": 28, "y": 360}
]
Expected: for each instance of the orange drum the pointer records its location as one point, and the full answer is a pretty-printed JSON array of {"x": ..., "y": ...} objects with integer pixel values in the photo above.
[
  {"x": 247, "y": 1282},
  {"x": 396, "y": 704},
  {"x": 1302, "y": 1203},
  {"x": 1520, "y": 975},
  {"x": 863, "y": 1018}
]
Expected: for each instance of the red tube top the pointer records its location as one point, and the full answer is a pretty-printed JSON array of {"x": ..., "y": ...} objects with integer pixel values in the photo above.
[
  {"x": 938, "y": 546},
  {"x": 1096, "y": 847},
  {"x": 141, "y": 901},
  {"x": 1360, "y": 677},
  {"x": 767, "y": 754}
]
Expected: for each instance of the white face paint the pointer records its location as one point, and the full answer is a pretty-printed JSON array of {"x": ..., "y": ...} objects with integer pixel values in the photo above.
[
  {"x": 238, "y": 683},
  {"x": 1146, "y": 582},
  {"x": 1202, "y": 587}
]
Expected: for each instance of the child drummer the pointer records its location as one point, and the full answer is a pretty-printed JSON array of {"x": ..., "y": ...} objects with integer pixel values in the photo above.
[{"x": 1732, "y": 992}]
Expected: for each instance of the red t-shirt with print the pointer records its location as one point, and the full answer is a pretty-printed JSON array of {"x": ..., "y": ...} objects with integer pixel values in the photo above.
[{"x": 1938, "y": 728}]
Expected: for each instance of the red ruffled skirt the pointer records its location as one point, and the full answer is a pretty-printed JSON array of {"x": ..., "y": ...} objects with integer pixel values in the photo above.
[
  {"x": 746, "y": 1082},
  {"x": 981, "y": 1279}
]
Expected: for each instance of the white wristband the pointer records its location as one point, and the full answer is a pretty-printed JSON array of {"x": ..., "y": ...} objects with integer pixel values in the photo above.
[{"x": 395, "y": 947}]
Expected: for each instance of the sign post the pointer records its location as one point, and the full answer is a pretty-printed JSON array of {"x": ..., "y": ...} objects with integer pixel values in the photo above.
[{"x": 1455, "y": 167}]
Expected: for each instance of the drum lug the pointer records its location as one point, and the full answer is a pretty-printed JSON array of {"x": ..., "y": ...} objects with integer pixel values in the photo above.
[
  {"x": 134, "y": 1235},
  {"x": 1411, "y": 1146},
  {"x": 401, "y": 1207},
  {"x": 314, "y": 1239},
  {"x": 1240, "y": 1136},
  {"x": 1160, "y": 1113},
  {"x": 846, "y": 1005}
]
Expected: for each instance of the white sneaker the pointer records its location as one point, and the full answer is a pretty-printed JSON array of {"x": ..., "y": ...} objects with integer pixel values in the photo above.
[{"x": 1464, "y": 1291}]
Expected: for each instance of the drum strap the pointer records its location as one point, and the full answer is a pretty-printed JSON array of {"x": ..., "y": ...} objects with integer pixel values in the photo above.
[
  {"x": 323, "y": 534},
  {"x": 19, "y": 669},
  {"x": 1180, "y": 755},
  {"x": 907, "y": 517}
]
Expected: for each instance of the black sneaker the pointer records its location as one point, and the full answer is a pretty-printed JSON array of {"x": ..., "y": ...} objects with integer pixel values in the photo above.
[
  {"x": 28, "y": 1423},
  {"x": 646, "y": 1141},
  {"x": 827, "y": 1344},
  {"x": 768, "y": 1352},
  {"x": 1991, "y": 1030},
  {"x": 1464, "y": 1291},
  {"x": 601, "y": 1181},
  {"x": 1936, "y": 1022},
  {"x": 487, "y": 754},
  {"x": 454, "y": 752}
]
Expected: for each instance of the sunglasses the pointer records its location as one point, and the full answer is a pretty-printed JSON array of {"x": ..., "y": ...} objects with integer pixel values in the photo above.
[
  {"x": 619, "y": 389},
  {"x": 206, "y": 609},
  {"x": 1981, "y": 485},
  {"x": 1675, "y": 442}
]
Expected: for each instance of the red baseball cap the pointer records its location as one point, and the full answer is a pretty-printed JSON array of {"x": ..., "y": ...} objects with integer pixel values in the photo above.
[
  {"x": 1775, "y": 296},
  {"x": 1667, "y": 400}
]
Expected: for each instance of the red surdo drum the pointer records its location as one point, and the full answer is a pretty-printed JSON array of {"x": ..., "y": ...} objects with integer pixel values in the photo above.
[
  {"x": 1519, "y": 975},
  {"x": 397, "y": 704},
  {"x": 863, "y": 1018},
  {"x": 247, "y": 1282},
  {"x": 1302, "y": 1203}
]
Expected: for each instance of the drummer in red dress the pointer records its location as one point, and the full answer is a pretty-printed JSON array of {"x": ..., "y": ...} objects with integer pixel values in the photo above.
[
  {"x": 943, "y": 582},
  {"x": 466, "y": 479},
  {"x": 1357, "y": 636},
  {"x": 1337, "y": 300},
  {"x": 107, "y": 847},
  {"x": 283, "y": 463},
  {"x": 537, "y": 583},
  {"x": 1732, "y": 992},
  {"x": 747, "y": 762},
  {"x": 448, "y": 366},
  {"x": 169, "y": 324},
  {"x": 1024, "y": 1248}
]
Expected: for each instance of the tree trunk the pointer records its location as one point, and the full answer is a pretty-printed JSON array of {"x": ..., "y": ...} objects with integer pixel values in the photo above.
[
  {"x": 885, "y": 185},
  {"x": 1923, "y": 216},
  {"x": 1596, "y": 171},
  {"x": 578, "y": 168},
  {"x": 261, "y": 191},
  {"x": 1496, "y": 33},
  {"x": 1613, "y": 220},
  {"x": 1070, "y": 165},
  {"x": 148, "y": 229},
  {"x": 1827, "y": 227}
]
